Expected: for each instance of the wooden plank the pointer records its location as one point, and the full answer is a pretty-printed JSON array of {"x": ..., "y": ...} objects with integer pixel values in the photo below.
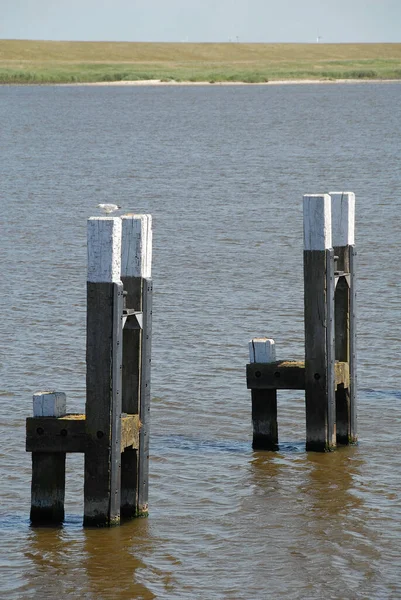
[
  {"x": 116, "y": 405},
  {"x": 319, "y": 323},
  {"x": 353, "y": 350},
  {"x": 47, "y": 434},
  {"x": 136, "y": 253},
  {"x": 319, "y": 386},
  {"x": 343, "y": 218},
  {"x": 330, "y": 349},
  {"x": 103, "y": 376},
  {"x": 343, "y": 215},
  {"x": 278, "y": 375},
  {"x": 144, "y": 409},
  {"x": 264, "y": 401},
  {"x": 68, "y": 433},
  {"x": 287, "y": 375}
]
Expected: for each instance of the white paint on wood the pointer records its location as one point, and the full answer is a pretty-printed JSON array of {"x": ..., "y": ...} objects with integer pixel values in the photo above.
[
  {"x": 49, "y": 404},
  {"x": 343, "y": 218},
  {"x": 317, "y": 221},
  {"x": 104, "y": 249},
  {"x": 262, "y": 350},
  {"x": 136, "y": 246}
]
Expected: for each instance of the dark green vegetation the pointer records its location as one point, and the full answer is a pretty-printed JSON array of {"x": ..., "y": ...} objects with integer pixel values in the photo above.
[{"x": 23, "y": 61}]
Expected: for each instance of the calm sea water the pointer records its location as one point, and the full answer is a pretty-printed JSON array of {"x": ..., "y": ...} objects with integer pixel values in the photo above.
[{"x": 222, "y": 170}]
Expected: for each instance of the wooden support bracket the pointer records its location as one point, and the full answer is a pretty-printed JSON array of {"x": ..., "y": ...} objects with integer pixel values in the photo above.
[
  {"x": 287, "y": 375},
  {"x": 68, "y": 433}
]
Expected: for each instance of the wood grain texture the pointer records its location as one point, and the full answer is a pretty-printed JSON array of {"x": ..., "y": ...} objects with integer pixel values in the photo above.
[
  {"x": 49, "y": 404},
  {"x": 343, "y": 218},
  {"x": 131, "y": 378},
  {"x": 262, "y": 350},
  {"x": 287, "y": 375},
  {"x": 103, "y": 403},
  {"x": 68, "y": 433},
  {"x": 104, "y": 249},
  {"x": 48, "y": 488},
  {"x": 319, "y": 330},
  {"x": 144, "y": 409},
  {"x": 317, "y": 221},
  {"x": 353, "y": 348},
  {"x": 264, "y": 419}
]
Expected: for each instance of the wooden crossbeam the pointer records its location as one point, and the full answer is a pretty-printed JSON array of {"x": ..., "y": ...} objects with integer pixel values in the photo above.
[
  {"x": 287, "y": 375},
  {"x": 68, "y": 433}
]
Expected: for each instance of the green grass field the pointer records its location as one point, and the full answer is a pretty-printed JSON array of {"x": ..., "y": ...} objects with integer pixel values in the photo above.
[{"x": 23, "y": 61}]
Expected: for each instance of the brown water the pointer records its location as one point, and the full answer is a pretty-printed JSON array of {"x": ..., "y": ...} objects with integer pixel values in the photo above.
[{"x": 222, "y": 170}]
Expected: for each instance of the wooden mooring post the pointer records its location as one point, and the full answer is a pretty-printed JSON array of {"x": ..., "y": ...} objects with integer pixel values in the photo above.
[
  {"x": 113, "y": 433},
  {"x": 328, "y": 374}
]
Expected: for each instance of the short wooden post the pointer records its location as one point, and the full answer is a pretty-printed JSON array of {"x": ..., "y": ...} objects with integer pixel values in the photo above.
[
  {"x": 343, "y": 232},
  {"x": 136, "y": 258},
  {"x": 319, "y": 323},
  {"x": 48, "y": 468},
  {"x": 264, "y": 401},
  {"x": 103, "y": 378}
]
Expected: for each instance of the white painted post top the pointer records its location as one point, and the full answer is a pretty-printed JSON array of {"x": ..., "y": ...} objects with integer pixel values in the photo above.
[
  {"x": 136, "y": 246},
  {"x": 262, "y": 350},
  {"x": 317, "y": 221},
  {"x": 49, "y": 404},
  {"x": 104, "y": 249},
  {"x": 343, "y": 218}
]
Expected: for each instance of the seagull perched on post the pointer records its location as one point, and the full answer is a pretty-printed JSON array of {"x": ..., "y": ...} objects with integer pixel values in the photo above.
[{"x": 109, "y": 208}]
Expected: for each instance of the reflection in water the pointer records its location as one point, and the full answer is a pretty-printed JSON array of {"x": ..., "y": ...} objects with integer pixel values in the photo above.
[
  {"x": 91, "y": 563},
  {"x": 310, "y": 505},
  {"x": 331, "y": 481},
  {"x": 112, "y": 559}
]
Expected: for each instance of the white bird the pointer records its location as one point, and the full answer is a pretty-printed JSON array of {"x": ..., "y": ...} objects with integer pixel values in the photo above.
[{"x": 109, "y": 208}]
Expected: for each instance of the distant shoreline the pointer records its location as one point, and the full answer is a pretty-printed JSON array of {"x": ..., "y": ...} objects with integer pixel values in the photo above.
[
  {"x": 170, "y": 64},
  {"x": 158, "y": 82}
]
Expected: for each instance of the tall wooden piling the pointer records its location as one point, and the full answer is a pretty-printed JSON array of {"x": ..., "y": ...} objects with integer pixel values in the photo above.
[
  {"x": 319, "y": 323},
  {"x": 103, "y": 380},
  {"x": 114, "y": 432},
  {"x": 264, "y": 401},
  {"x": 328, "y": 374},
  {"x": 48, "y": 468},
  {"x": 343, "y": 232},
  {"x": 136, "y": 259}
]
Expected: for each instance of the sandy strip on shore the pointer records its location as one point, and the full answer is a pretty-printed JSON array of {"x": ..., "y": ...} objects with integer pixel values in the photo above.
[{"x": 157, "y": 82}]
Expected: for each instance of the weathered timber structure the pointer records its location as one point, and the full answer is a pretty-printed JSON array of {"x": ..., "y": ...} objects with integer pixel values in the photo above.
[
  {"x": 328, "y": 373},
  {"x": 113, "y": 433}
]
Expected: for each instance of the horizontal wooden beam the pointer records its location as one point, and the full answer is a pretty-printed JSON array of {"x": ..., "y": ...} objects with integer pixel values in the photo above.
[
  {"x": 68, "y": 433},
  {"x": 287, "y": 375}
]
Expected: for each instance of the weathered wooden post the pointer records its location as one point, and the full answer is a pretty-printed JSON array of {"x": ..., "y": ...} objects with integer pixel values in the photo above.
[
  {"x": 264, "y": 401},
  {"x": 319, "y": 323},
  {"x": 103, "y": 376},
  {"x": 328, "y": 374},
  {"x": 343, "y": 228},
  {"x": 48, "y": 468},
  {"x": 114, "y": 432},
  {"x": 136, "y": 260}
]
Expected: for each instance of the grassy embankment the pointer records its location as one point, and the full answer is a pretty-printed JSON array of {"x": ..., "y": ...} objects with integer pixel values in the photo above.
[{"x": 67, "y": 62}]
